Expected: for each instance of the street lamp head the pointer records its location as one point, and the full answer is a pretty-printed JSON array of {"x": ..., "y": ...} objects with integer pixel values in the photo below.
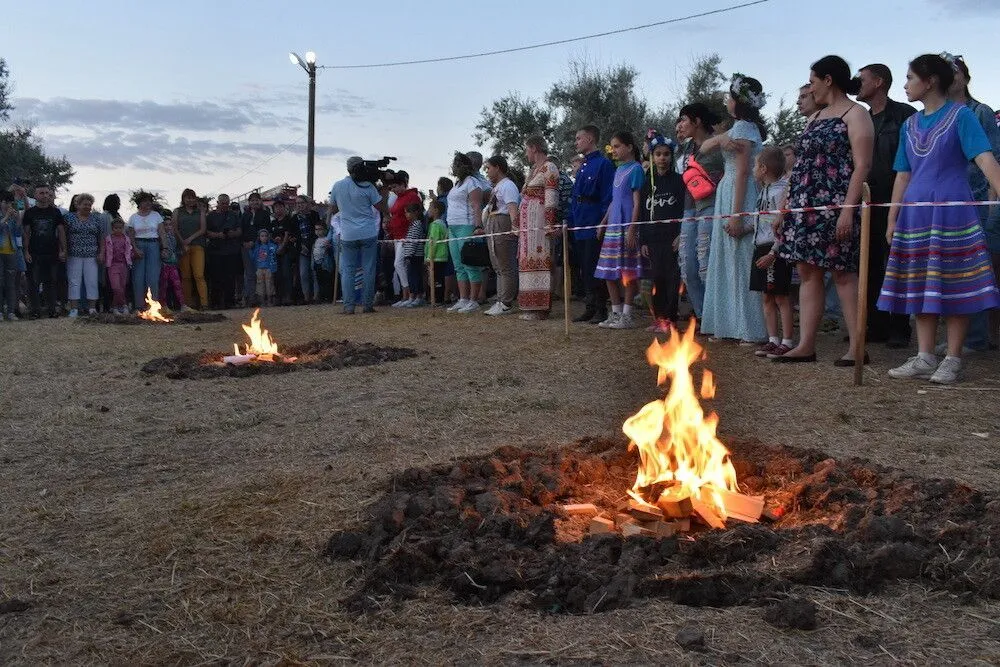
[
  {"x": 311, "y": 57},
  {"x": 296, "y": 60}
]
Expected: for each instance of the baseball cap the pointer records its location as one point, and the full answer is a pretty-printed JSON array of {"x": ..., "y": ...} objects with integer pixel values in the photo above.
[{"x": 353, "y": 160}]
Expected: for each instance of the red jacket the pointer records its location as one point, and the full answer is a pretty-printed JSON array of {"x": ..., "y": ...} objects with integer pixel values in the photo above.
[{"x": 398, "y": 224}]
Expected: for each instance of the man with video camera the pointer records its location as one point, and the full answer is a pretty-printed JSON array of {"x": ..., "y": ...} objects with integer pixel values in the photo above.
[{"x": 360, "y": 205}]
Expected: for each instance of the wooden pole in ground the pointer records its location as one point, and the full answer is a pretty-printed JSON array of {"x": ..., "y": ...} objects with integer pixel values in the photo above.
[
  {"x": 566, "y": 277},
  {"x": 862, "y": 318},
  {"x": 433, "y": 284}
]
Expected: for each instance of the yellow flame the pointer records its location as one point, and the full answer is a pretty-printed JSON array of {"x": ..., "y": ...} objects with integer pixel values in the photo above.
[
  {"x": 707, "y": 385},
  {"x": 261, "y": 343},
  {"x": 153, "y": 312},
  {"x": 675, "y": 439}
]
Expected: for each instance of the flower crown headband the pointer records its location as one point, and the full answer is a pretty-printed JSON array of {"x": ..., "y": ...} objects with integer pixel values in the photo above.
[
  {"x": 740, "y": 87},
  {"x": 952, "y": 60}
]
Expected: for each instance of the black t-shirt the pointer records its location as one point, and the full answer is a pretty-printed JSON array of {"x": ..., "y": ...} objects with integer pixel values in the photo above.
[
  {"x": 666, "y": 203},
  {"x": 887, "y": 125},
  {"x": 43, "y": 223},
  {"x": 287, "y": 225},
  {"x": 254, "y": 221},
  {"x": 224, "y": 222},
  {"x": 307, "y": 230}
]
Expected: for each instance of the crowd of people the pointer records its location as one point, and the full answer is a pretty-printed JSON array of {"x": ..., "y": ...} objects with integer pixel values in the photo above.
[{"x": 693, "y": 213}]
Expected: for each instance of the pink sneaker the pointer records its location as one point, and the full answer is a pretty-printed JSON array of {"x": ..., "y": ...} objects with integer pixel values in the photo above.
[
  {"x": 660, "y": 326},
  {"x": 766, "y": 349}
]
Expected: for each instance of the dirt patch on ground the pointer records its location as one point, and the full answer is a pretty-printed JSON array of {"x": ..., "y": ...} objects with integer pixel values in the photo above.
[
  {"x": 189, "y": 317},
  {"x": 317, "y": 355},
  {"x": 147, "y": 521},
  {"x": 490, "y": 525}
]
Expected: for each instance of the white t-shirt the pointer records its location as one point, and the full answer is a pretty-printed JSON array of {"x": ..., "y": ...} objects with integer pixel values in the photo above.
[
  {"x": 458, "y": 203},
  {"x": 505, "y": 192},
  {"x": 146, "y": 227},
  {"x": 769, "y": 199}
]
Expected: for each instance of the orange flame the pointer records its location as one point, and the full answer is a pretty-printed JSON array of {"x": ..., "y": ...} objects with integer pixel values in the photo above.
[
  {"x": 154, "y": 310},
  {"x": 707, "y": 385},
  {"x": 676, "y": 441},
  {"x": 261, "y": 344}
]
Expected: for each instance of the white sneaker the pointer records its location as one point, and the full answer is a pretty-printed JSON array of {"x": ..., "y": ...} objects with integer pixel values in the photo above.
[
  {"x": 612, "y": 318},
  {"x": 402, "y": 303},
  {"x": 499, "y": 309},
  {"x": 73, "y": 313},
  {"x": 92, "y": 311},
  {"x": 416, "y": 303},
  {"x": 941, "y": 350},
  {"x": 948, "y": 371},
  {"x": 471, "y": 306},
  {"x": 623, "y": 322},
  {"x": 914, "y": 368},
  {"x": 458, "y": 305}
]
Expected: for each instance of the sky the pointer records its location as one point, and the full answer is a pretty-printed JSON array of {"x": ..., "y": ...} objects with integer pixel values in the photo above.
[{"x": 170, "y": 95}]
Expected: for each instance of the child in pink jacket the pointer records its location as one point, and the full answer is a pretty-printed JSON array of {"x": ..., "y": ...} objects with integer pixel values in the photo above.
[{"x": 118, "y": 258}]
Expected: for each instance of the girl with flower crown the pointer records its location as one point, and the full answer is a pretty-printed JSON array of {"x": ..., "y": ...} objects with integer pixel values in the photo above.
[{"x": 731, "y": 310}]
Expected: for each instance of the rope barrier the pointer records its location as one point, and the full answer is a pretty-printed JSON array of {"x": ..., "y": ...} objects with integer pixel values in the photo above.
[{"x": 699, "y": 218}]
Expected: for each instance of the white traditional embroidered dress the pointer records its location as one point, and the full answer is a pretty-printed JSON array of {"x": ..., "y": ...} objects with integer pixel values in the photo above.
[{"x": 539, "y": 202}]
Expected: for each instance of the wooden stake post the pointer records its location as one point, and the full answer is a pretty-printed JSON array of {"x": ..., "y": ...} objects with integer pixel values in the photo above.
[
  {"x": 566, "y": 276},
  {"x": 862, "y": 318}
]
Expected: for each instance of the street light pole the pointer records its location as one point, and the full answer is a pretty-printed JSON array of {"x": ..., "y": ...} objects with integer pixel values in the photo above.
[{"x": 309, "y": 65}]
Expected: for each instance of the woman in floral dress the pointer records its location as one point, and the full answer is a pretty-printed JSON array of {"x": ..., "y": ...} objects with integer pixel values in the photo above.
[{"x": 835, "y": 153}]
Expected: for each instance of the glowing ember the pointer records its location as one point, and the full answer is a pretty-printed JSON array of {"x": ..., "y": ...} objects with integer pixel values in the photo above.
[
  {"x": 679, "y": 454},
  {"x": 154, "y": 311}
]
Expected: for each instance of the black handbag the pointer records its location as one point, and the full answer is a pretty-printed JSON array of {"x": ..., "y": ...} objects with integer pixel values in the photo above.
[{"x": 476, "y": 253}]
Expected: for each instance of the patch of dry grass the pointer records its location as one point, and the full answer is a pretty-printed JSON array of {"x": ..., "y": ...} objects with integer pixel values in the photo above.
[{"x": 158, "y": 521}]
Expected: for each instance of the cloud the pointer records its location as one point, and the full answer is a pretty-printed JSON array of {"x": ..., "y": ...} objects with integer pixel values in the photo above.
[
  {"x": 159, "y": 151},
  {"x": 974, "y": 6}
]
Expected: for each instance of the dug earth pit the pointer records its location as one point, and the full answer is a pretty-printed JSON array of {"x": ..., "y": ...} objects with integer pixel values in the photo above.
[
  {"x": 491, "y": 527},
  {"x": 188, "y": 317},
  {"x": 319, "y": 355}
]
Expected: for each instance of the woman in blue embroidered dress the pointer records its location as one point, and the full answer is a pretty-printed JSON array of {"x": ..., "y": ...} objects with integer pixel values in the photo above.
[
  {"x": 731, "y": 310},
  {"x": 938, "y": 262},
  {"x": 835, "y": 153}
]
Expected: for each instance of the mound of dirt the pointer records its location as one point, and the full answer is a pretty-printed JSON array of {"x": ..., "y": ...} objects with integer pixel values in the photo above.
[
  {"x": 486, "y": 527},
  {"x": 319, "y": 355},
  {"x": 189, "y": 317}
]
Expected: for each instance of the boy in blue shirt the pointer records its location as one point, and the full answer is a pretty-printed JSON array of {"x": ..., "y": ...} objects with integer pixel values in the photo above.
[{"x": 265, "y": 254}]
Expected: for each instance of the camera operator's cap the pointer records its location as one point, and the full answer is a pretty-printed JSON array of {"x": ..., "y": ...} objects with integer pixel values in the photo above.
[{"x": 353, "y": 161}]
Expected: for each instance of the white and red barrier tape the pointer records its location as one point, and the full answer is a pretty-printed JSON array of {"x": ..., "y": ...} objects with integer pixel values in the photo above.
[{"x": 698, "y": 218}]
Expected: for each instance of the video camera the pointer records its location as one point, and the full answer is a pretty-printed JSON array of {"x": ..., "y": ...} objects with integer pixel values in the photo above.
[{"x": 372, "y": 171}]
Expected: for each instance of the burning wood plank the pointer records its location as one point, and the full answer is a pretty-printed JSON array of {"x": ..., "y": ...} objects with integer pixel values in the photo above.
[
  {"x": 661, "y": 528},
  {"x": 675, "y": 502},
  {"x": 705, "y": 512},
  {"x": 741, "y": 507},
  {"x": 576, "y": 509},
  {"x": 630, "y": 529},
  {"x": 601, "y": 526},
  {"x": 644, "y": 511}
]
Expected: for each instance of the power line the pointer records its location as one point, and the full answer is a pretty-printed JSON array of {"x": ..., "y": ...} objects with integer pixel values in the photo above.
[
  {"x": 553, "y": 43},
  {"x": 260, "y": 164}
]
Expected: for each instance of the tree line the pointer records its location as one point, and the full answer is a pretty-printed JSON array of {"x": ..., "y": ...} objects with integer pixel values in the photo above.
[{"x": 610, "y": 98}]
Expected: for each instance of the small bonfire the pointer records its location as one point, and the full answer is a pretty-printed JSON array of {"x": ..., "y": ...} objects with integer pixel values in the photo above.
[
  {"x": 155, "y": 312},
  {"x": 684, "y": 472},
  {"x": 260, "y": 348}
]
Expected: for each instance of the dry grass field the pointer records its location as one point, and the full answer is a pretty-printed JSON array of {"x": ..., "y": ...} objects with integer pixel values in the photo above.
[{"x": 153, "y": 521}]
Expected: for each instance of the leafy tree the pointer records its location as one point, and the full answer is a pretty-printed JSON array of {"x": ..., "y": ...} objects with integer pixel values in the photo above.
[
  {"x": 21, "y": 153},
  {"x": 787, "y": 124},
  {"x": 508, "y": 122},
  {"x": 606, "y": 98}
]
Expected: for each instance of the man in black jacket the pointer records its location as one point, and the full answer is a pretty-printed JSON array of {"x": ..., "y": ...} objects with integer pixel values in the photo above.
[
  {"x": 254, "y": 219},
  {"x": 888, "y": 117}
]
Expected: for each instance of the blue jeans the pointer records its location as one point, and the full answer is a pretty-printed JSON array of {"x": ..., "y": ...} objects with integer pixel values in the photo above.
[
  {"x": 146, "y": 271},
  {"x": 307, "y": 277},
  {"x": 696, "y": 238},
  {"x": 363, "y": 253},
  {"x": 249, "y": 276},
  {"x": 978, "y": 337}
]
